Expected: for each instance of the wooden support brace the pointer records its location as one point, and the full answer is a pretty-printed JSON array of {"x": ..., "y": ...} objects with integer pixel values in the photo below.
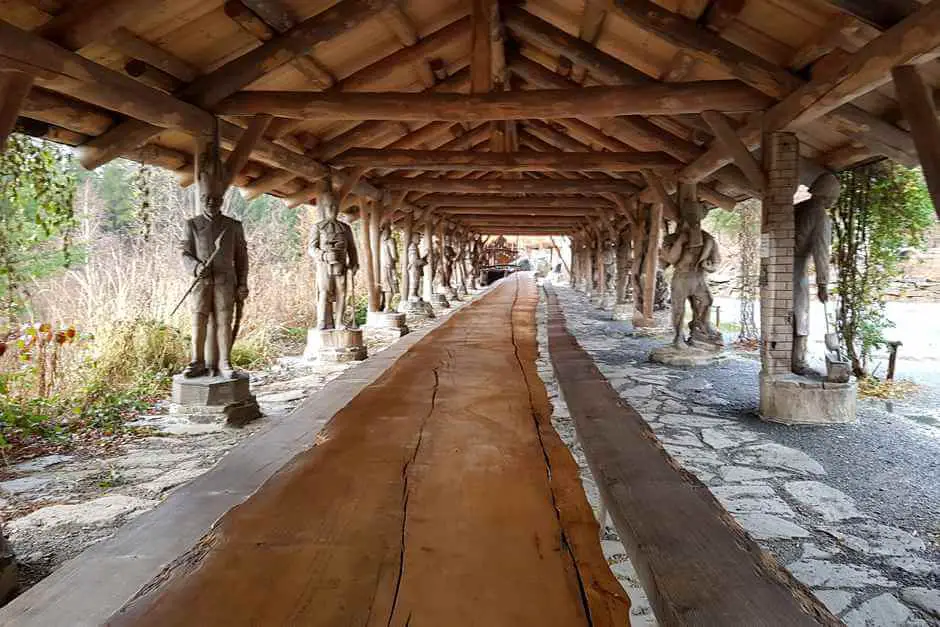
[
  {"x": 739, "y": 153},
  {"x": 14, "y": 87},
  {"x": 920, "y": 111},
  {"x": 246, "y": 144}
]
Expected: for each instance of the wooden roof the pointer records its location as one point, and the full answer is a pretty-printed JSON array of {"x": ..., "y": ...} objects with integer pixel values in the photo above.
[{"x": 652, "y": 92}]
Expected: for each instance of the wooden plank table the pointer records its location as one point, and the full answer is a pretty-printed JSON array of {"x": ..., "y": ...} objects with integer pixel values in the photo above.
[
  {"x": 440, "y": 495},
  {"x": 697, "y": 565}
]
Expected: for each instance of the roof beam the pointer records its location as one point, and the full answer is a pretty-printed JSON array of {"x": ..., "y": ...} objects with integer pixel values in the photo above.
[
  {"x": 920, "y": 111},
  {"x": 857, "y": 74},
  {"x": 739, "y": 153},
  {"x": 504, "y": 186},
  {"x": 691, "y": 97},
  {"x": 513, "y": 202},
  {"x": 83, "y": 23},
  {"x": 241, "y": 71},
  {"x": 15, "y": 87},
  {"x": 505, "y": 162},
  {"x": 754, "y": 70}
]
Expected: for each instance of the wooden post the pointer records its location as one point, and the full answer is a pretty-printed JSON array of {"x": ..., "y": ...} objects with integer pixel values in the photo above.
[
  {"x": 919, "y": 110},
  {"x": 442, "y": 260},
  {"x": 651, "y": 263},
  {"x": 365, "y": 231},
  {"x": 375, "y": 228},
  {"x": 429, "y": 268},
  {"x": 15, "y": 87},
  {"x": 406, "y": 233}
]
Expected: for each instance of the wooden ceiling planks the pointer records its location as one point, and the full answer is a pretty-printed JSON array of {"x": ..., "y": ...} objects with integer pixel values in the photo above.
[{"x": 199, "y": 37}]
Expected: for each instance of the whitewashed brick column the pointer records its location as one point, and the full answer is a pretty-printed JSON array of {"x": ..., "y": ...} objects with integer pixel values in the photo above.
[{"x": 781, "y": 159}]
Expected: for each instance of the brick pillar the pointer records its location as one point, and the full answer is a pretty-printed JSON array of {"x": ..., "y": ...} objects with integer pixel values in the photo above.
[{"x": 781, "y": 156}]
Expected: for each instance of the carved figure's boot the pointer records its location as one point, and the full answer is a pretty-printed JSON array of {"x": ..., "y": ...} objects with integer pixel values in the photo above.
[
  {"x": 798, "y": 363},
  {"x": 195, "y": 369},
  {"x": 226, "y": 371}
]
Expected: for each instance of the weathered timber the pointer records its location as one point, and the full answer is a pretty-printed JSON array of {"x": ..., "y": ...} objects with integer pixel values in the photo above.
[
  {"x": 689, "y": 97},
  {"x": 505, "y": 162},
  {"x": 920, "y": 111},
  {"x": 136, "y": 48},
  {"x": 695, "y": 562},
  {"x": 241, "y": 71},
  {"x": 76, "y": 116},
  {"x": 856, "y": 74},
  {"x": 754, "y": 70},
  {"x": 489, "y": 200},
  {"x": 266, "y": 183},
  {"x": 501, "y": 186},
  {"x": 15, "y": 87},
  {"x": 246, "y": 144},
  {"x": 150, "y": 75},
  {"x": 739, "y": 153},
  {"x": 655, "y": 184},
  {"x": 600, "y": 65},
  {"x": 510, "y": 209},
  {"x": 83, "y": 23}
]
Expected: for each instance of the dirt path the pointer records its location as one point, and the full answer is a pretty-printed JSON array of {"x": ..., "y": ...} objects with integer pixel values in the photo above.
[{"x": 440, "y": 496}]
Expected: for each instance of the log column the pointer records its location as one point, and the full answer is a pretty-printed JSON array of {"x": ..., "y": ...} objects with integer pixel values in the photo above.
[
  {"x": 365, "y": 232},
  {"x": 14, "y": 87},
  {"x": 781, "y": 154},
  {"x": 644, "y": 293},
  {"x": 375, "y": 228},
  {"x": 429, "y": 251},
  {"x": 406, "y": 234}
]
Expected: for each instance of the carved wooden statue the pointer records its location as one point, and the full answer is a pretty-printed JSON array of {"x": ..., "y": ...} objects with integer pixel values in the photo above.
[
  {"x": 216, "y": 256},
  {"x": 416, "y": 263},
  {"x": 388, "y": 279},
  {"x": 692, "y": 261},
  {"x": 333, "y": 247},
  {"x": 813, "y": 239}
]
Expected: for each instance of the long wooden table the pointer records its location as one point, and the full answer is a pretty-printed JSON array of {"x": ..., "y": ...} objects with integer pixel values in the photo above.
[{"x": 440, "y": 496}]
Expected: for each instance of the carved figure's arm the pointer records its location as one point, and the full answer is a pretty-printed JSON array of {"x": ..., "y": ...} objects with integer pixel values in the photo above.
[
  {"x": 188, "y": 247},
  {"x": 822, "y": 245},
  {"x": 672, "y": 251},
  {"x": 313, "y": 249}
]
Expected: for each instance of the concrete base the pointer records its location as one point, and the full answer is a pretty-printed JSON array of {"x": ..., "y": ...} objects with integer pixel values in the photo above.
[
  {"x": 387, "y": 324},
  {"x": 335, "y": 345},
  {"x": 416, "y": 308},
  {"x": 796, "y": 400},
  {"x": 214, "y": 399},
  {"x": 623, "y": 311},
  {"x": 450, "y": 293},
  {"x": 440, "y": 300},
  {"x": 687, "y": 356}
]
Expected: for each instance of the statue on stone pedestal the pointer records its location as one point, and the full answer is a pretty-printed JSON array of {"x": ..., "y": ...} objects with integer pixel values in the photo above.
[
  {"x": 333, "y": 248},
  {"x": 388, "y": 279},
  {"x": 416, "y": 263},
  {"x": 813, "y": 238},
  {"x": 624, "y": 263},
  {"x": 215, "y": 254},
  {"x": 692, "y": 261}
]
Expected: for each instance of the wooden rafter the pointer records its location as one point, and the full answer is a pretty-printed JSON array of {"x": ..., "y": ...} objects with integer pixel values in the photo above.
[
  {"x": 691, "y": 97},
  {"x": 504, "y": 162},
  {"x": 14, "y": 87},
  {"x": 920, "y": 111}
]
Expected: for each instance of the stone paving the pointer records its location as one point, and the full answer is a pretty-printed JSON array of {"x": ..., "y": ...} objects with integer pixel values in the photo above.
[
  {"x": 53, "y": 507},
  {"x": 866, "y": 572}
]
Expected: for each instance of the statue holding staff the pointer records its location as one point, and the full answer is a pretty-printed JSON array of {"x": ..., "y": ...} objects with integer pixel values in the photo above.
[
  {"x": 388, "y": 276},
  {"x": 215, "y": 254}
]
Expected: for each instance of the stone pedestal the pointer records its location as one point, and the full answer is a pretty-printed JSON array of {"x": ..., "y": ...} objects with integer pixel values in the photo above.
[
  {"x": 386, "y": 324},
  {"x": 335, "y": 345},
  {"x": 440, "y": 300},
  {"x": 9, "y": 578},
  {"x": 416, "y": 308},
  {"x": 622, "y": 311},
  {"x": 687, "y": 356},
  {"x": 797, "y": 400},
  {"x": 450, "y": 293},
  {"x": 214, "y": 399}
]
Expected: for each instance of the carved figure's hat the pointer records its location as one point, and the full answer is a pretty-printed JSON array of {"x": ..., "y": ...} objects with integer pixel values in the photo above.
[{"x": 827, "y": 185}]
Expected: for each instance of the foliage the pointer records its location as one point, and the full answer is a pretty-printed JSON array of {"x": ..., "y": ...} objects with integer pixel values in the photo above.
[
  {"x": 884, "y": 210},
  {"x": 748, "y": 229},
  {"x": 37, "y": 187}
]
